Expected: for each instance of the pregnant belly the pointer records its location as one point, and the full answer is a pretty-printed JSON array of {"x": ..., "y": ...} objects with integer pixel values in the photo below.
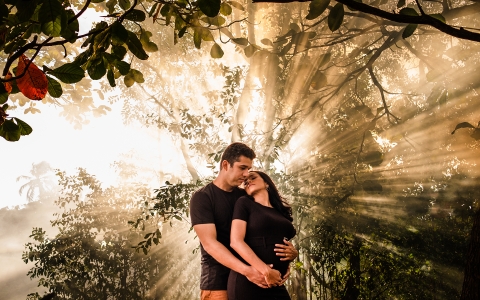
[{"x": 268, "y": 256}]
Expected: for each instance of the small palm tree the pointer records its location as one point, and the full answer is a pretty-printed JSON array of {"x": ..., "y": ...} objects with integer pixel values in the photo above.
[{"x": 39, "y": 183}]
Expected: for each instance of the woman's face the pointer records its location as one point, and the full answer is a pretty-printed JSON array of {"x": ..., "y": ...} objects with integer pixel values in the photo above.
[{"x": 254, "y": 183}]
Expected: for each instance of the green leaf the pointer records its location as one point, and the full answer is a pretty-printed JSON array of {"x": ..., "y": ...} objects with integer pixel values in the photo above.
[
  {"x": 136, "y": 15},
  {"x": 54, "y": 87},
  {"x": 373, "y": 158},
  {"x": 119, "y": 34},
  {"x": 123, "y": 67},
  {"x": 267, "y": 42},
  {"x": 128, "y": 80},
  {"x": 10, "y": 131},
  {"x": 153, "y": 10},
  {"x": 68, "y": 73},
  {"x": 165, "y": 10},
  {"x": 150, "y": 47},
  {"x": 249, "y": 50},
  {"x": 401, "y": 3},
  {"x": 96, "y": 69},
  {"x": 409, "y": 30},
  {"x": 70, "y": 32},
  {"x": 324, "y": 59},
  {"x": 225, "y": 9},
  {"x": 3, "y": 94},
  {"x": 240, "y": 41},
  {"x": 439, "y": 17},
  {"x": 83, "y": 57},
  {"x": 408, "y": 11},
  {"x": 217, "y": 21},
  {"x": 335, "y": 18},
  {"x": 25, "y": 129},
  {"x": 25, "y": 11},
  {"x": 295, "y": 27},
  {"x": 316, "y": 8},
  {"x": 476, "y": 134},
  {"x": 111, "y": 6},
  {"x": 216, "y": 51},
  {"x": 124, "y": 4},
  {"x": 111, "y": 78},
  {"x": 206, "y": 34},
  {"x": 462, "y": 125},
  {"x": 236, "y": 4},
  {"x": 146, "y": 43},
  {"x": 197, "y": 38},
  {"x": 53, "y": 17},
  {"x": 135, "y": 46},
  {"x": 3, "y": 11},
  {"x": 137, "y": 76},
  {"x": 319, "y": 80},
  {"x": 180, "y": 23},
  {"x": 182, "y": 31},
  {"x": 119, "y": 51},
  {"x": 211, "y": 8}
]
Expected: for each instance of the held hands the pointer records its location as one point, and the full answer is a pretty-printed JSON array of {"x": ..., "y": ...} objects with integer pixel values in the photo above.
[
  {"x": 287, "y": 251},
  {"x": 256, "y": 277},
  {"x": 273, "y": 278}
]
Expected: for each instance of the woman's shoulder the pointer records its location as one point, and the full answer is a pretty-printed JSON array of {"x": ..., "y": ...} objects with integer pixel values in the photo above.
[{"x": 244, "y": 200}]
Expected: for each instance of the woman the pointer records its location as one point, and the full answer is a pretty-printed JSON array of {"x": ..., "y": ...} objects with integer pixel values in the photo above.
[{"x": 260, "y": 220}]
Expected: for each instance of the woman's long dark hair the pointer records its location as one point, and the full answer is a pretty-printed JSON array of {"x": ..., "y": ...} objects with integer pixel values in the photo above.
[{"x": 277, "y": 201}]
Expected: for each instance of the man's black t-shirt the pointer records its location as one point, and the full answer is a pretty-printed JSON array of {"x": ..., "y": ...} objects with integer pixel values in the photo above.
[{"x": 212, "y": 205}]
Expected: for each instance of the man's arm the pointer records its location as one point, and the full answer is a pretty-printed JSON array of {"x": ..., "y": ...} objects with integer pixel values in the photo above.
[
  {"x": 207, "y": 233},
  {"x": 239, "y": 227}
]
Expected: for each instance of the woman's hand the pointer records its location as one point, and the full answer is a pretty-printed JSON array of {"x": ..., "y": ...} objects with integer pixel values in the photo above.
[
  {"x": 287, "y": 251},
  {"x": 285, "y": 277}
]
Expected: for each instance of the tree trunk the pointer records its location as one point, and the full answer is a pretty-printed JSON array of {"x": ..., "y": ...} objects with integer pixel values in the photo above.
[
  {"x": 471, "y": 281},
  {"x": 298, "y": 288}
]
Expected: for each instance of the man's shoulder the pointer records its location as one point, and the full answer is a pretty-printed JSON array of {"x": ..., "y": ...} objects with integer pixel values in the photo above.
[{"x": 204, "y": 191}]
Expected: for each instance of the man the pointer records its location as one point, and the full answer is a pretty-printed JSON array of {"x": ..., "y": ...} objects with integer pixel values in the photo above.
[{"x": 211, "y": 209}]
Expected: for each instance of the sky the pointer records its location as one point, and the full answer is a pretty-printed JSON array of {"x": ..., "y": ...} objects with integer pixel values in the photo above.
[{"x": 54, "y": 140}]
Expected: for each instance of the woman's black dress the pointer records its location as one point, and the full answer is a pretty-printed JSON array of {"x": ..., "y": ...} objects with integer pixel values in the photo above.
[{"x": 265, "y": 227}]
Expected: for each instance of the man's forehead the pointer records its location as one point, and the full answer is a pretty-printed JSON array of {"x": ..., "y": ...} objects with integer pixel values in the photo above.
[{"x": 244, "y": 161}]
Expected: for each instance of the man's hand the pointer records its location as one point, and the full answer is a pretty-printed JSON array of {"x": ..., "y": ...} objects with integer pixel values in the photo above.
[
  {"x": 256, "y": 277},
  {"x": 287, "y": 251},
  {"x": 273, "y": 278}
]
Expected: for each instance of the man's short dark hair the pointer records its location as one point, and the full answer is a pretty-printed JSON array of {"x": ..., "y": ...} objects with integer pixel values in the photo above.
[{"x": 233, "y": 152}]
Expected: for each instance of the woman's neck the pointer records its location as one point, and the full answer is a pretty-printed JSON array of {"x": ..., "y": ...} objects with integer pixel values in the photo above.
[{"x": 262, "y": 198}]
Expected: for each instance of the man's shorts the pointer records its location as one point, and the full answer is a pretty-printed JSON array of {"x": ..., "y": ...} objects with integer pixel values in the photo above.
[{"x": 213, "y": 295}]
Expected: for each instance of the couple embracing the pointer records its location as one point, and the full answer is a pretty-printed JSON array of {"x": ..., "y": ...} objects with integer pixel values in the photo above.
[{"x": 244, "y": 233}]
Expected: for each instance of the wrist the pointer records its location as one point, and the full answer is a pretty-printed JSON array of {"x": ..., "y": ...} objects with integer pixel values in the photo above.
[
  {"x": 265, "y": 270},
  {"x": 246, "y": 270}
]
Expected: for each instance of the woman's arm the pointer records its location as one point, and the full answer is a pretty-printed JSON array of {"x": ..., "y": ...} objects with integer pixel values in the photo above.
[{"x": 237, "y": 242}]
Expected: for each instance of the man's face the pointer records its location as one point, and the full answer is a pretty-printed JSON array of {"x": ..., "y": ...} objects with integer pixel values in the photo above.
[{"x": 237, "y": 173}]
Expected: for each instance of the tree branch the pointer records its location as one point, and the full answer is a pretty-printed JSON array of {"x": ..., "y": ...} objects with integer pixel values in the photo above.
[{"x": 461, "y": 32}]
